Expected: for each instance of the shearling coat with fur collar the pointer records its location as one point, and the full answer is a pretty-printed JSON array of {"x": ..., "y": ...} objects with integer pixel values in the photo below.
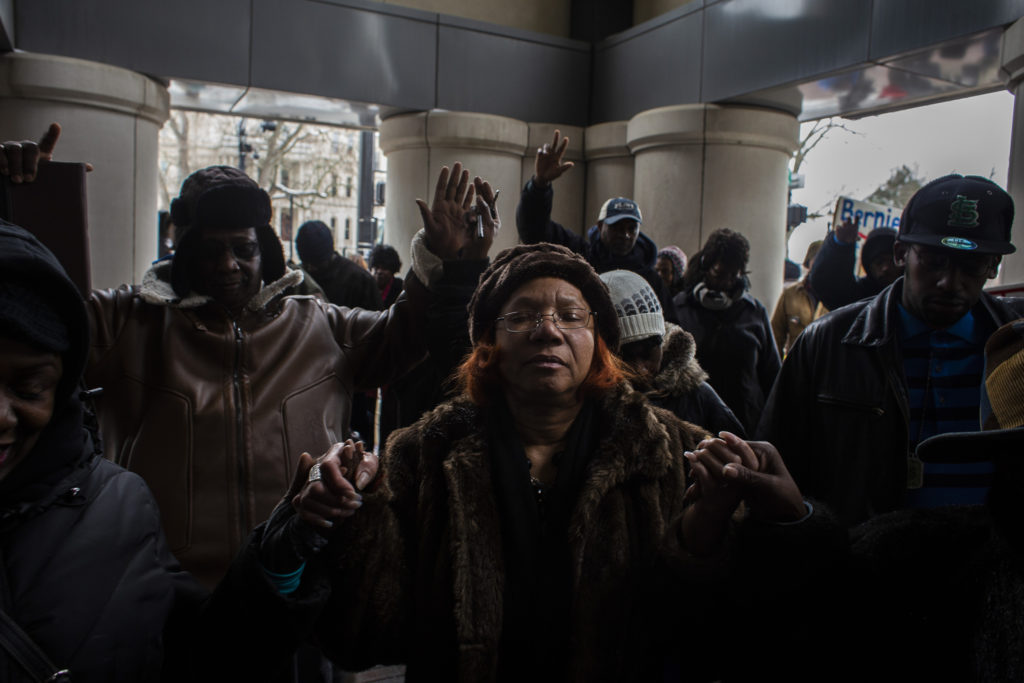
[
  {"x": 212, "y": 411},
  {"x": 420, "y": 575}
]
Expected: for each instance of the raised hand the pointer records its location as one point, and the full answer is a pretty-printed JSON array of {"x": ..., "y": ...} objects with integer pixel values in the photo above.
[
  {"x": 447, "y": 221},
  {"x": 549, "y": 165},
  {"x": 847, "y": 231},
  {"x": 20, "y": 160},
  {"x": 488, "y": 223}
]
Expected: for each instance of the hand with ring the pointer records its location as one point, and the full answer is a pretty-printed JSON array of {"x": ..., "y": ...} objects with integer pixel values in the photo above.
[{"x": 331, "y": 485}]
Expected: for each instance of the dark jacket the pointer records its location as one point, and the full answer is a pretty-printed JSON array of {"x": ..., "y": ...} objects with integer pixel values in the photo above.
[
  {"x": 680, "y": 386},
  {"x": 84, "y": 567},
  {"x": 833, "y": 278},
  {"x": 737, "y": 350},
  {"x": 345, "y": 283},
  {"x": 961, "y": 621},
  {"x": 533, "y": 221},
  {"x": 839, "y": 409}
]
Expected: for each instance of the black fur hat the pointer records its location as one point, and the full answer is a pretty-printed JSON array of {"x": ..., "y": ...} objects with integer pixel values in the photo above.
[
  {"x": 221, "y": 197},
  {"x": 517, "y": 265}
]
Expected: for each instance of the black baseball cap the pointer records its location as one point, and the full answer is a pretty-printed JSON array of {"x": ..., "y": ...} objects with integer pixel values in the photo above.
[{"x": 968, "y": 214}]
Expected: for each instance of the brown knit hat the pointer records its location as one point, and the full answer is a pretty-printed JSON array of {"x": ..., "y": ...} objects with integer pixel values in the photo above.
[{"x": 517, "y": 265}]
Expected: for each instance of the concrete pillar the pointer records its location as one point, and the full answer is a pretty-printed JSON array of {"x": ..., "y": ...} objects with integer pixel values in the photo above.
[
  {"x": 568, "y": 205},
  {"x": 704, "y": 167},
  {"x": 418, "y": 145},
  {"x": 609, "y": 168},
  {"x": 1012, "y": 269},
  {"x": 111, "y": 118}
]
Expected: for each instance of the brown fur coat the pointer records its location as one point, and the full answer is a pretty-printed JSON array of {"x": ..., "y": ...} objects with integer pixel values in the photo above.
[{"x": 420, "y": 575}]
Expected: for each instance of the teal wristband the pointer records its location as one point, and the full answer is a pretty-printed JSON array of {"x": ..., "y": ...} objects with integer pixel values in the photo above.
[{"x": 285, "y": 584}]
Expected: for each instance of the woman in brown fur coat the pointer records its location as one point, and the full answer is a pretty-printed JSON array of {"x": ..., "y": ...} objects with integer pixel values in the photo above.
[{"x": 523, "y": 531}]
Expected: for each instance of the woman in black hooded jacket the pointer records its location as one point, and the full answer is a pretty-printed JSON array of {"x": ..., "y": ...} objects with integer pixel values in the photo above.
[{"x": 85, "y": 573}]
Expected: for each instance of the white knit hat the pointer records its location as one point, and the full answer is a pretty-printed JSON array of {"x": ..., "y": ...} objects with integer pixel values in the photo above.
[{"x": 636, "y": 304}]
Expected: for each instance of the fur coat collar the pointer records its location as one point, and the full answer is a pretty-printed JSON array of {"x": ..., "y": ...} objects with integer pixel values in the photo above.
[{"x": 447, "y": 592}]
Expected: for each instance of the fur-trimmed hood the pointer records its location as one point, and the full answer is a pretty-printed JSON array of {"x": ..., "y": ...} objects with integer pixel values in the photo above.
[
  {"x": 680, "y": 372},
  {"x": 156, "y": 289}
]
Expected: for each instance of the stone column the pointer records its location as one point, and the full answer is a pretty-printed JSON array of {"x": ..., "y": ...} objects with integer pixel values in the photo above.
[
  {"x": 704, "y": 167},
  {"x": 1012, "y": 269},
  {"x": 418, "y": 145},
  {"x": 568, "y": 205},
  {"x": 609, "y": 168},
  {"x": 111, "y": 117}
]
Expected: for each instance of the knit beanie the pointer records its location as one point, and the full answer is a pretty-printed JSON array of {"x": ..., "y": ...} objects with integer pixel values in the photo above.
[
  {"x": 678, "y": 259},
  {"x": 636, "y": 305},
  {"x": 879, "y": 241},
  {"x": 314, "y": 242},
  {"x": 518, "y": 265}
]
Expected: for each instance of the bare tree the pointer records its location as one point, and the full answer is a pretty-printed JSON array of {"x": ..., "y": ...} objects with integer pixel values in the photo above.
[
  {"x": 901, "y": 185},
  {"x": 815, "y": 134}
]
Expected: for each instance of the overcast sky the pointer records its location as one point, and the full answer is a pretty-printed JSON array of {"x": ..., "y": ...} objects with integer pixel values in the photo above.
[{"x": 969, "y": 136}]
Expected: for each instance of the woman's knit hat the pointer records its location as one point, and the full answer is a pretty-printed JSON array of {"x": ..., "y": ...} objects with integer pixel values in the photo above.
[
  {"x": 518, "y": 265},
  {"x": 678, "y": 258}
]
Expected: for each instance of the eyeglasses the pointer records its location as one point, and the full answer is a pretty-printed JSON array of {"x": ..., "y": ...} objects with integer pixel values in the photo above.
[
  {"x": 211, "y": 250},
  {"x": 972, "y": 265},
  {"x": 564, "y": 319}
]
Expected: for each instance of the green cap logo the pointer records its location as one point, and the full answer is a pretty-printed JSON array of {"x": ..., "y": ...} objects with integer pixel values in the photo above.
[
  {"x": 959, "y": 243},
  {"x": 963, "y": 213}
]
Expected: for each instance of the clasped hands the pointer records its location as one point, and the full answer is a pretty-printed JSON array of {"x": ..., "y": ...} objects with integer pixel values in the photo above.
[
  {"x": 728, "y": 470},
  {"x": 327, "y": 489}
]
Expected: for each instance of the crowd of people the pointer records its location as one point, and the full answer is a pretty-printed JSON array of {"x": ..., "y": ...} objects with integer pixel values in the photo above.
[{"x": 563, "y": 488}]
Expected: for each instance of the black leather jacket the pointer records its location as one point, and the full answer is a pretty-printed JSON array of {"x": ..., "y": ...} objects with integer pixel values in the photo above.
[{"x": 838, "y": 412}]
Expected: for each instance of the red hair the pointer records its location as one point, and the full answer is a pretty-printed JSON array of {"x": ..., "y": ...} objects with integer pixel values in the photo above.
[{"x": 479, "y": 378}]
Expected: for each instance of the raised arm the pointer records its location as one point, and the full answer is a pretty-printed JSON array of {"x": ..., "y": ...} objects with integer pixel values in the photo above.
[
  {"x": 533, "y": 215},
  {"x": 833, "y": 277}
]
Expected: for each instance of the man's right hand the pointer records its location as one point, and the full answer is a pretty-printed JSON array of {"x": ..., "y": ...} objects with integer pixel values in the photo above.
[
  {"x": 549, "y": 165},
  {"x": 847, "y": 232}
]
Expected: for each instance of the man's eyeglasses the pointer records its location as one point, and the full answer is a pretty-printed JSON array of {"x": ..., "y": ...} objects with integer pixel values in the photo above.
[
  {"x": 972, "y": 265},
  {"x": 564, "y": 319},
  {"x": 212, "y": 250}
]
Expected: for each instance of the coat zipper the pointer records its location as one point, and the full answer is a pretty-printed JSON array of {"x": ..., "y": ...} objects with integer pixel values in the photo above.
[{"x": 243, "y": 516}]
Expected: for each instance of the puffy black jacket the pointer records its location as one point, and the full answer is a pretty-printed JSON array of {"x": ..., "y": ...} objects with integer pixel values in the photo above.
[
  {"x": 839, "y": 410},
  {"x": 84, "y": 567},
  {"x": 533, "y": 221},
  {"x": 87, "y": 574}
]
